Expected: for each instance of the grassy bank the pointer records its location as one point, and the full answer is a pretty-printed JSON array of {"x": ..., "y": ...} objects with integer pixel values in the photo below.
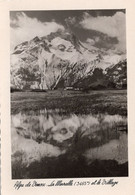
[{"x": 103, "y": 101}]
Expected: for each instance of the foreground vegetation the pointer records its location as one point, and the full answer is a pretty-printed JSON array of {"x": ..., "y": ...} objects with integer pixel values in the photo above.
[{"x": 104, "y": 101}]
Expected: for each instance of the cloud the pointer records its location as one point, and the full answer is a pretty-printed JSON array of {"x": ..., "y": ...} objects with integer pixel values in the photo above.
[
  {"x": 113, "y": 26},
  {"x": 24, "y": 28}
]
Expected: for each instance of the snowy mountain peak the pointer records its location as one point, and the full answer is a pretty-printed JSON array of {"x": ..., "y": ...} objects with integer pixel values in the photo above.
[{"x": 59, "y": 57}]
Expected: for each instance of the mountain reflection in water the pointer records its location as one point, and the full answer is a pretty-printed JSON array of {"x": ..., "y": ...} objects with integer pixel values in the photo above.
[{"x": 54, "y": 142}]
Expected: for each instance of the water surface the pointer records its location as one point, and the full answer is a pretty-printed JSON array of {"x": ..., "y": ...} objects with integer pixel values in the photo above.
[{"x": 50, "y": 143}]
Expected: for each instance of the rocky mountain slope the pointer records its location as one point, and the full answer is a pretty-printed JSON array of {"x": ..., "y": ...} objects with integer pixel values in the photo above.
[{"x": 60, "y": 60}]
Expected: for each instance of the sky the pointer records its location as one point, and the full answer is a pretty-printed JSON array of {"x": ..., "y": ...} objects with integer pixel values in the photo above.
[{"x": 100, "y": 28}]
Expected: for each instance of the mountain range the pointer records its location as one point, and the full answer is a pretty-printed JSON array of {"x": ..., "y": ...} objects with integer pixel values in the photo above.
[{"x": 61, "y": 60}]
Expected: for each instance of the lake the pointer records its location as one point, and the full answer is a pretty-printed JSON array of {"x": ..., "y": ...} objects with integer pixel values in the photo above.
[{"x": 51, "y": 143}]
